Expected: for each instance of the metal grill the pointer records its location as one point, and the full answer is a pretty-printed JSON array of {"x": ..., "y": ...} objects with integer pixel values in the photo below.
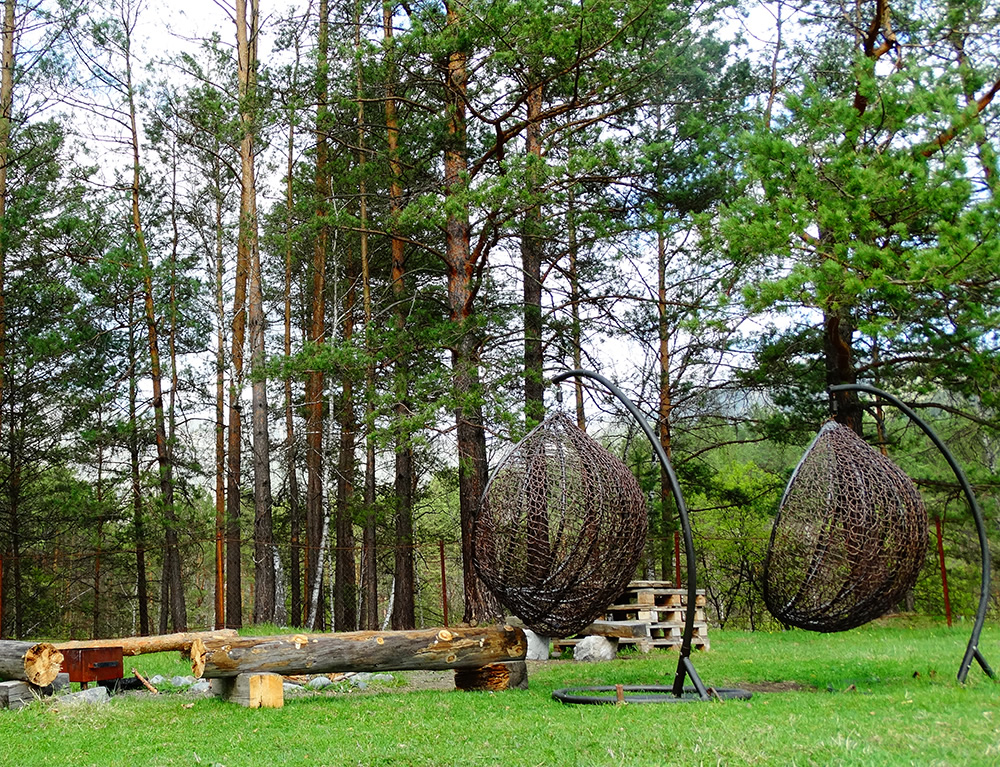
[
  {"x": 849, "y": 538},
  {"x": 562, "y": 528}
]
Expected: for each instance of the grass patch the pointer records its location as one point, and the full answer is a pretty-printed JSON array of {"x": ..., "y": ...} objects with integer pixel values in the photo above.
[{"x": 883, "y": 695}]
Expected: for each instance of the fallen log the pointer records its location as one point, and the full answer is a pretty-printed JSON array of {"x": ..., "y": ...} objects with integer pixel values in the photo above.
[
  {"x": 181, "y": 642},
  {"x": 422, "y": 649},
  {"x": 29, "y": 662},
  {"x": 617, "y": 629}
]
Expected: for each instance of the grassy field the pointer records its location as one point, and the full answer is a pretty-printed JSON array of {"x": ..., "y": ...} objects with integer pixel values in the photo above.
[{"x": 882, "y": 695}]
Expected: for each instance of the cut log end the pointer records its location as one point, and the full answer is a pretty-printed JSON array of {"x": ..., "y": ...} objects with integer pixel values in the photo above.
[
  {"x": 510, "y": 675},
  {"x": 198, "y": 654},
  {"x": 42, "y": 663}
]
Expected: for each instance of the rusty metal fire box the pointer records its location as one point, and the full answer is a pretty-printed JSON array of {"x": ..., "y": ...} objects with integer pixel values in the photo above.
[{"x": 92, "y": 664}]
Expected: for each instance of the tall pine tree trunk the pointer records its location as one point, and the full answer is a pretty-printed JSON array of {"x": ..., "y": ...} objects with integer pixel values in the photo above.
[
  {"x": 142, "y": 596},
  {"x": 462, "y": 271},
  {"x": 234, "y": 579},
  {"x": 248, "y": 246},
  {"x": 294, "y": 512},
  {"x": 172, "y": 565},
  {"x": 576, "y": 330},
  {"x": 369, "y": 569},
  {"x": 531, "y": 265},
  {"x": 220, "y": 406},
  {"x": 6, "y": 107},
  {"x": 345, "y": 616},
  {"x": 838, "y": 352},
  {"x": 403, "y": 608},
  {"x": 665, "y": 408},
  {"x": 315, "y": 517}
]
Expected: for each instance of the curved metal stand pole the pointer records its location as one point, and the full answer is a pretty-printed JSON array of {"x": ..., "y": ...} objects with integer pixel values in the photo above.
[
  {"x": 972, "y": 651},
  {"x": 684, "y": 665}
]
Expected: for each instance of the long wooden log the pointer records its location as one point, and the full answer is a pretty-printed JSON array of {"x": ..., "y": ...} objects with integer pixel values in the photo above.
[
  {"x": 29, "y": 662},
  {"x": 157, "y": 643},
  {"x": 423, "y": 649},
  {"x": 617, "y": 629}
]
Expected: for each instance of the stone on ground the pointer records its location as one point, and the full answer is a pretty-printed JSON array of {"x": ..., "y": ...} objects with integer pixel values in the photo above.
[{"x": 594, "y": 648}]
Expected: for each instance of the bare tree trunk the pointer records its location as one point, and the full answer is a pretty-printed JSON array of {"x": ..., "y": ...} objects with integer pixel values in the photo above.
[
  {"x": 220, "y": 408},
  {"x": 403, "y": 578},
  {"x": 838, "y": 348},
  {"x": 574, "y": 303},
  {"x": 95, "y": 629},
  {"x": 142, "y": 595},
  {"x": 6, "y": 110},
  {"x": 246, "y": 48},
  {"x": 531, "y": 264},
  {"x": 172, "y": 565},
  {"x": 345, "y": 617},
  {"x": 667, "y": 522},
  {"x": 234, "y": 580},
  {"x": 317, "y": 330},
  {"x": 369, "y": 569},
  {"x": 461, "y": 266},
  {"x": 294, "y": 512}
]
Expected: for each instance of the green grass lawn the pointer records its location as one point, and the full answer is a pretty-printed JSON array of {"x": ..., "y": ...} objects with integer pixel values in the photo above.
[{"x": 882, "y": 695}]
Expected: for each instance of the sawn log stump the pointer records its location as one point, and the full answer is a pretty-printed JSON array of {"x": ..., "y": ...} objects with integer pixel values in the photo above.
[{"x": 29, "y": 662}]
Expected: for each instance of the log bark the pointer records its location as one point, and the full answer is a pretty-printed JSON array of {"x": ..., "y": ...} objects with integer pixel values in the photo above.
[
  {"x": 180, "y": 642},
  {"x": 28, "y": 662},
  {"x": 423, "y": 649},
  {"x": 617, "y": 629}
]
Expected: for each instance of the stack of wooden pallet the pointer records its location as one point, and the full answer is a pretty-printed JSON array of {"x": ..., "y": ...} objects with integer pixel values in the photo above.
[{"x": 649, "y": 614}]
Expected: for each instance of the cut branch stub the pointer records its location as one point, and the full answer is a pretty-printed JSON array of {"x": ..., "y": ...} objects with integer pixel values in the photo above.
[
  {"x": 849, "y": 538},
  {"x": 562, "y": 526}
]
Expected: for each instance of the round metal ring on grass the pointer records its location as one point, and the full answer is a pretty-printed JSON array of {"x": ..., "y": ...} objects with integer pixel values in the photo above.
[{"x": 608, "y": 694}]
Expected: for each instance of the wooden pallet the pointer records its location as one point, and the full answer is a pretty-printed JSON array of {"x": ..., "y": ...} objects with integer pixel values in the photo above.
[{"x": 661, "y": 609}]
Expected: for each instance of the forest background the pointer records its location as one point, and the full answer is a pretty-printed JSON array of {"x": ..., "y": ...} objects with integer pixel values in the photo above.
[{"x": 279, "y": 284}]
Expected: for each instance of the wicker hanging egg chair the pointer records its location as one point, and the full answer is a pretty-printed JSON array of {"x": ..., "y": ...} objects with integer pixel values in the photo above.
[
  {"x": 561, "y": 530},
  {"x": 849, "y": 538}
]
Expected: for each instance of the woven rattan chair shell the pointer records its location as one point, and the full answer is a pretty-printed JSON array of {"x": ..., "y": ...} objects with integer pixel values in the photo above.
[
  {"x": 849, "y": 539},
  {"x": 561, "y": 530}
]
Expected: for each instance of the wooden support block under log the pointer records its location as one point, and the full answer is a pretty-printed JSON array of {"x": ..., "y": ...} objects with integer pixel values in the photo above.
[
  {"x": 251, "y": 690},
  {"x": 16, "y": 694},
  {"x": 29, "y": 662},
  {"x": 180, "y": 642},
  {"x": 512, "y": 675},
  {"x": 417, "y": 650}
]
